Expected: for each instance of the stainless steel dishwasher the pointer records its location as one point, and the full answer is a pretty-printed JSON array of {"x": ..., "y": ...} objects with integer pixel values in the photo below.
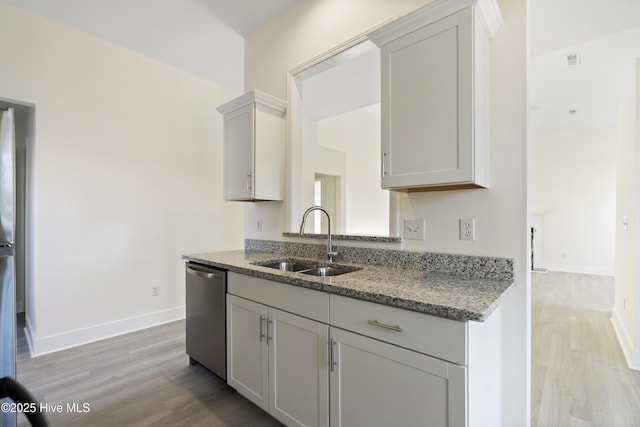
[{"x": 206, "y": 332}]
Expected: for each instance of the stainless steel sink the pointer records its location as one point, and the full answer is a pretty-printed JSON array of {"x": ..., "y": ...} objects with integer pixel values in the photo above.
[
  {"x": 328, "y": 271},
  {"x": 288, "y": 265},
  {"x": 307, "y": 267}
]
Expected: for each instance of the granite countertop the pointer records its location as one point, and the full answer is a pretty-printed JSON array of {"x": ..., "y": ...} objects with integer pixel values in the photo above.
[{"x": 441, "y": 294}]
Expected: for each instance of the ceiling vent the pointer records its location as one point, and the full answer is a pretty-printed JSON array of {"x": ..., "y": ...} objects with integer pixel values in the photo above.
[{"x": 573, "y": 59}]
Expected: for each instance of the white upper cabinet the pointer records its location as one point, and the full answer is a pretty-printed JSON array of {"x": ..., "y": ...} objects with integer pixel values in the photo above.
[
  {"x": 254, "y": 140},
  {"x": 435, "y": 93}
]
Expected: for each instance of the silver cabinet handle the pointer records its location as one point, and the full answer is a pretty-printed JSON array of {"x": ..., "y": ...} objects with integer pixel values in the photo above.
[
  {"x": 204, "y": 274},
  {"x": 384, "y": 163},
  {"x": 261, "y": 330},
  {"x": 269, "y": 331},
  {"x": 248, "y": 181},
  {"x": 396, "y": 328},
  {"x": 333, "y": 361}
]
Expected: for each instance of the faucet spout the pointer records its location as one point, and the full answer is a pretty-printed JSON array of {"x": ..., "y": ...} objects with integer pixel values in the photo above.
[{"x": 330, "y": 252}]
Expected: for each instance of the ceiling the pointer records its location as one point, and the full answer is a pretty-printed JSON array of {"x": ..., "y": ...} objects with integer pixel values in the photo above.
[
  {"x": 244, "y": 16},
  {"x": 606, "y": 34},
  {"x": 194, "y": 35}
]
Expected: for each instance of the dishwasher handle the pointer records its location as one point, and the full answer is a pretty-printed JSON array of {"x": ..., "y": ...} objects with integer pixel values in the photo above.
[{"x": 205, "y": 274}]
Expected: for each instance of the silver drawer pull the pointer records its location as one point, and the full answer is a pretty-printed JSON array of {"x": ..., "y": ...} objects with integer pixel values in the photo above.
[{"x": 396, "y": 328}]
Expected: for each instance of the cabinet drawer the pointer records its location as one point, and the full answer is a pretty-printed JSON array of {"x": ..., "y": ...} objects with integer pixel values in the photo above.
[
  {"x": 293, "y": 299},
  {"x": 442, "y": 338}
]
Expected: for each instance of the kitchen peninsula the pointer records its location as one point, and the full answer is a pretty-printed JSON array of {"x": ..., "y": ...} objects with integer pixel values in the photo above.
[
  {"x": 402, "y": 337},
  {"x": 455, "y": 286}
]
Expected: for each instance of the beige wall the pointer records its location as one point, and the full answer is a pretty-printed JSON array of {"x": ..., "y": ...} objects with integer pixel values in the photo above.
[
  {"x": 626, "y": 312},
  {"x": 573, "y": 181},
  {"x": 310, "y": 28},
  {"x": 125, "y": 177}
]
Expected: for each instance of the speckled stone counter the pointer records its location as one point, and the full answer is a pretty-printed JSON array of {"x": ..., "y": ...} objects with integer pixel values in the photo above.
[{"x": 424, "y": 288}]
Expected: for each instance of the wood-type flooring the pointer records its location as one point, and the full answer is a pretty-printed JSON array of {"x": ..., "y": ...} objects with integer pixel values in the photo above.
[
  {"x": 135, "y": 380},
  {"x": 579, "y": 376}
]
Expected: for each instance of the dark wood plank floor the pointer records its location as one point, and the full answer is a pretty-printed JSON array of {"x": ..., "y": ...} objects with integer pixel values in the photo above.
[{"x": 138, "y": 379}]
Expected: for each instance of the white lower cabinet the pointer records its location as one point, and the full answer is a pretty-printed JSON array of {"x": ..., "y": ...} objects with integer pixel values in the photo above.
[
  {"x": 278, "y": 360},
  {"x": 247, "y": 351},
  {"x": 374, "y": 383},
  {"x": 310, "y": 358}
]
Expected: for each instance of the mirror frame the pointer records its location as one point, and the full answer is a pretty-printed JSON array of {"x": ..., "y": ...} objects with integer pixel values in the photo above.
[{"x": 295, "y": 76}]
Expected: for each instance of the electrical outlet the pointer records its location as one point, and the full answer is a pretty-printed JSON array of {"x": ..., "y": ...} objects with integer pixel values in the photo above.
[
  {"x": 259, "y": 225},
  {"x": 467, "y": 229},
  {"x": 155, "y": 291},
  {"x": 414, "y": 229}
]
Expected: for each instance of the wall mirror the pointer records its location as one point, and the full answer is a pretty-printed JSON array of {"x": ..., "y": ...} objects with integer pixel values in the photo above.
[{"x": 334, "y": 142}]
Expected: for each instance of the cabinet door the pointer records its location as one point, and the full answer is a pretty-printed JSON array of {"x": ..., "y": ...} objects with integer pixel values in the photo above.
[
  {"x": 299, "y": 372},
  {"x": 239, "y": 134},
  {"x": 427, "y": 105},
  {"x": 247, "y": 352},
  {"x": 378, "y": 384}
]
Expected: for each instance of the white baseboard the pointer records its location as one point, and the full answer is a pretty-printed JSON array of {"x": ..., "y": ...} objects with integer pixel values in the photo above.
[
  {"x": 65, "y": 340},
  {"x": 28, "y": 334},
  {"x": 582, "y": 269},
  {"x": 631, "y": 355}
]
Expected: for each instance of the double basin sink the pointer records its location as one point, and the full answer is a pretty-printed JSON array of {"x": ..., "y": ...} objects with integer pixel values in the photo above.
[{"x": 307, "y": 267}]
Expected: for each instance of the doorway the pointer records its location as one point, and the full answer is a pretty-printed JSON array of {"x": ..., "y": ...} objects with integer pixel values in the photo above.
[
  {"x": 326, "y": 193},
  {"x": 24, "y": 124}
]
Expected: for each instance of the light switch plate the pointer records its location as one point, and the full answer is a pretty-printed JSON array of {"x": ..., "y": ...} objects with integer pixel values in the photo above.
[{"x": 414, "y": 229}]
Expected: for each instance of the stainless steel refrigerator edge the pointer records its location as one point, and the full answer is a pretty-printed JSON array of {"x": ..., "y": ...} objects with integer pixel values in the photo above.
[{"x": 7, "y": 282}]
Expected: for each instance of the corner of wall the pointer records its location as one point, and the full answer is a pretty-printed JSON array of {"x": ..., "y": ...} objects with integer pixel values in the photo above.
[{"x": 631, "y": 354}]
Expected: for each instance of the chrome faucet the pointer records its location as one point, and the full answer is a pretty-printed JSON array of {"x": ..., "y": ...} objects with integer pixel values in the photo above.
[{"x": 330, "y": 252}]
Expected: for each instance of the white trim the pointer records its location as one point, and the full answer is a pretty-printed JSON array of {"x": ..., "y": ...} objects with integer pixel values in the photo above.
[
  {"x": 251, "y": 97},
  {"x": 582, "y": 269},
  {"x": 65, "y": 340},
  {"x": 28, "y": 335},
  {"x": 487, "y": 11},
  {"x": 294, "y": 117},
  {"x": 334, "y": 55},
  {"x": 330, "y": 58},
  {"x": 631, "y": 355},
  {"x": 490, "y": 16}
]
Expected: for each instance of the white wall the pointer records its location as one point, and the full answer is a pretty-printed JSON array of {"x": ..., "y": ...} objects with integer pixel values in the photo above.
[
  {"x": 125, "y": 177},
  {"x": 186, "y": 34},
  {"x": 308, "y": 29},
  {"x": 626, "y": 311},
  {"x": 573, "y": 181},
  {"x": 357, "y": 134}
]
